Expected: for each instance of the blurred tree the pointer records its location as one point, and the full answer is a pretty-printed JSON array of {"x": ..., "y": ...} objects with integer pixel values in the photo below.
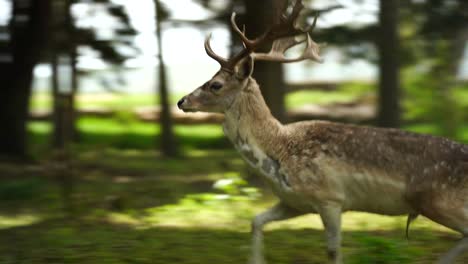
[
  {"x": 64, "y": 74},
  {"x": 270, "y": 75},
  {"x": 28, "y": 37},
  {"x": 257, "y": 16},
  {"x": 168, "y": 142},
  {"x": 388, "y": 46},
  {"x": 432, "y": 35},
  {"x": 437, "y": 41},
  {"x": 67, "y": 38},
  {"x": 424, "y": 29},
  {"x": 29, "y": 31}
]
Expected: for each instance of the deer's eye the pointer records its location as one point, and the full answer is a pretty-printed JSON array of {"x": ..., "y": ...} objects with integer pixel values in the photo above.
[{"x": 216, "y": 86}]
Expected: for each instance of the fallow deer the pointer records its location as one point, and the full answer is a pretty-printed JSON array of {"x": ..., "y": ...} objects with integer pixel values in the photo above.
[{"x": 329, "y": 168}]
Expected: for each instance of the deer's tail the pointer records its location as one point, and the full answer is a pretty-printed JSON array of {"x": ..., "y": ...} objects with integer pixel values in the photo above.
[{"x": 410, "y": 219}]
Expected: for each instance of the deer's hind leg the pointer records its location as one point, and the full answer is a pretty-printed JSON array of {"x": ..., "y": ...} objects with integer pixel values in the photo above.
[
  {"x": 462, "y": 245},
  {"x": 452, "y": 254},
  {"x": 451, "y": 210}
]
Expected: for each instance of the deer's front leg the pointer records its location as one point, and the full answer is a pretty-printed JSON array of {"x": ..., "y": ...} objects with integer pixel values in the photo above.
[
  {"x": 276, "y": 213},
  {"x": 331, "y": 218}
]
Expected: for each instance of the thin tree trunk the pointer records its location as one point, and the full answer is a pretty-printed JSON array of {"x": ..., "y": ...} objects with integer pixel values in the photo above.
[
  {"x": 389, "y": 83},
  {"x": 168, "y": 143},
  {"x": 63, "y": 55},
  {"x": 58, "y": 141},
  {"x": 74, "y": 72},
  {"x": 28, "y": 36}
]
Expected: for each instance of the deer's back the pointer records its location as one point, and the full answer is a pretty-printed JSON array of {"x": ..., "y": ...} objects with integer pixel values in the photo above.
[{"x": 354, "y": 164}]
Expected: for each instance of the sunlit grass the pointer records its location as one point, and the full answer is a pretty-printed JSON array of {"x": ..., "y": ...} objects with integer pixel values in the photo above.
[
  {"x": 11, "y": 221},
  {"x": 113, "y": 101}
]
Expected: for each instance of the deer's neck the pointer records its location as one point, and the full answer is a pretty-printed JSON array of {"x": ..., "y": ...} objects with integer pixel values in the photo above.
[{"x": 250, "y": 125}]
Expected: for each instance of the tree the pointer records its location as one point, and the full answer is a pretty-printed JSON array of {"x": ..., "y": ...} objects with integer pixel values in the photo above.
[
  {"x": 64, "y": 84},
  {"x": 28, "y": 38},
  {"x": 168, "y": 142},
  {"x": 389, "y": 108},
  {"x": 270, "y": 75},
  {"x": 63, "y": 53},
  {"x": 442, "y": 36}
]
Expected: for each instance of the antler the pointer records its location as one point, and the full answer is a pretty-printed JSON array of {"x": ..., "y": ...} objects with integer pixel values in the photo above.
[
  {"x": 280, "y": 46},
  {"x": 222, "y": 61},
  {"x": 284, "y": 36}
]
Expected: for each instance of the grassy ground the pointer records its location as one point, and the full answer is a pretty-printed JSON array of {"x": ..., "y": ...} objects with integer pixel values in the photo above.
[{"x": 119, "y": 201}]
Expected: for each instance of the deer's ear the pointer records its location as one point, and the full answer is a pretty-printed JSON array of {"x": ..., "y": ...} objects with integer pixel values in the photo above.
[{"x": 244, "y": 68}]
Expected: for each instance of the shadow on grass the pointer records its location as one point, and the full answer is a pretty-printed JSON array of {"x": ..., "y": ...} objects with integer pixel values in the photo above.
[
  {"x": 112, "y": 179},
  {"x": 56, "y": 241}
]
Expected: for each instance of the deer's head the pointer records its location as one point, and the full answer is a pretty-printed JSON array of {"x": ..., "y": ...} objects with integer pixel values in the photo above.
[{"x": 219, "y": 93}]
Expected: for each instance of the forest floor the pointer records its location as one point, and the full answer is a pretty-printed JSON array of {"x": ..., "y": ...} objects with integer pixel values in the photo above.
[{"x": 116, "y": 200}]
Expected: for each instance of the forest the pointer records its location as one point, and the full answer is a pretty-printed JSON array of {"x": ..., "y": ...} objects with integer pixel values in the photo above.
[{"x": 99, "y": 165}]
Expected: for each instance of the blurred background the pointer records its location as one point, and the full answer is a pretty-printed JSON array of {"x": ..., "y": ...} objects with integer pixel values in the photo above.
[{"x": 98, "y": 165}]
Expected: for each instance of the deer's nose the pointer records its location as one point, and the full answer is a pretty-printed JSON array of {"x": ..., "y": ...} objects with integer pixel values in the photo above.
[{"x": 181, "y": 101}]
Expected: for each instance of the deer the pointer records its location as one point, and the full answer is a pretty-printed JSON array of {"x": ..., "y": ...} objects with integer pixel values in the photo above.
[{"x": 329, "y": 168}]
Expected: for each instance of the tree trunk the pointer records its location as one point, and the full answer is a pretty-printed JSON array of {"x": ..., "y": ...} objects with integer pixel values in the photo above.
[
  {"x": 74, "y": 71},
  {"x": 63, "y": 55},
  {"x": 28, "y": 30},
  {"x": 260, "y": 15},
  {"x": 389, "y": 86},
  {"x": 168, "y": 143}
]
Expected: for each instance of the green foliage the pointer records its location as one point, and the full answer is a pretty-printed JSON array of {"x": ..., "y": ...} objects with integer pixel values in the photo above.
[{"x": 429, "y": 94}]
